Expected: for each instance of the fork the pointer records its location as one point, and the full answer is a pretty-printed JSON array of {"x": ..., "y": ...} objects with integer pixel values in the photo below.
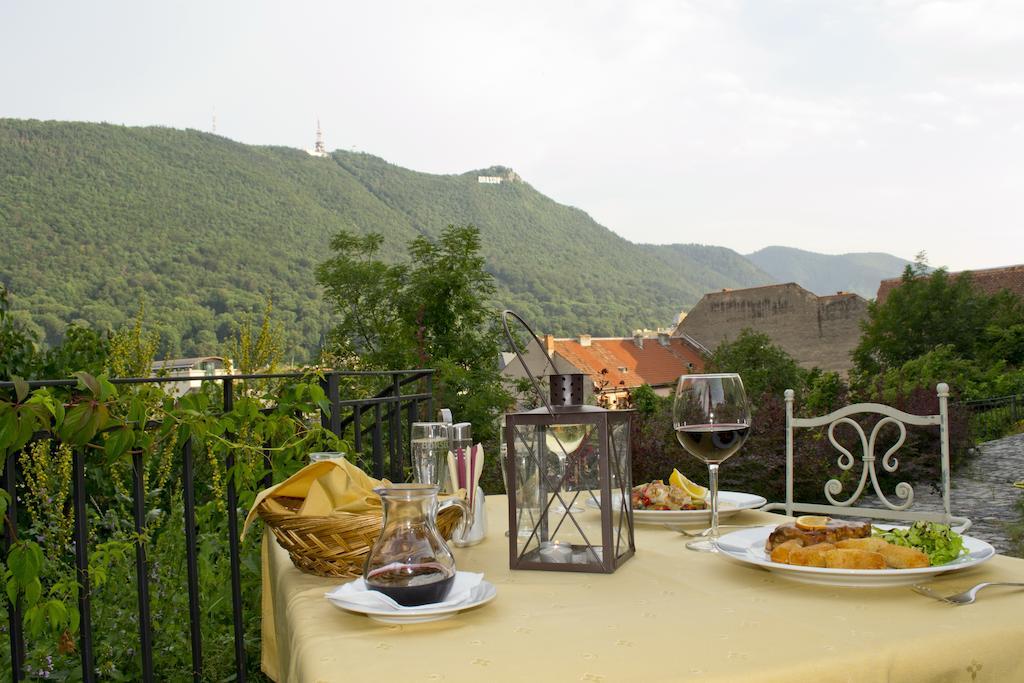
[
  {"x": 704, "y": 532},
  {"x": 965, "y": 598}
]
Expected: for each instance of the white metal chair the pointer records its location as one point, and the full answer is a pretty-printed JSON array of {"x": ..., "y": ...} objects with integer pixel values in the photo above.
[{"x": 899, "y": 511}]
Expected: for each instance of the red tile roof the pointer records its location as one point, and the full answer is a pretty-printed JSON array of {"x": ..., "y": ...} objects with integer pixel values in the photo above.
[
  {"x": 654, "y": 364},
  {"x": 989, "y": 281}
]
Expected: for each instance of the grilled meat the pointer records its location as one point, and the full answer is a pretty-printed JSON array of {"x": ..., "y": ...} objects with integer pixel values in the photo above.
[{"x": 836, "y": 530}]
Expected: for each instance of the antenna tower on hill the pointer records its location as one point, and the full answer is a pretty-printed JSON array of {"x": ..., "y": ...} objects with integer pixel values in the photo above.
[{"x": 319, "y": 147}]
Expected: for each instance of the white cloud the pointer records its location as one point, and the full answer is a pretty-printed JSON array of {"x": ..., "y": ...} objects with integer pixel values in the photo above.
[
  {"x": 929, "y": 98},
  {"x": 974, "y": 22},
  {"x": 1011, "y": 89}
]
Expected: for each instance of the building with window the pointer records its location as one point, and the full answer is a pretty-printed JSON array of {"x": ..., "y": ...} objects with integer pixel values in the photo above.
[
  {"x": 817, "y": 331},
  {"x": 616, "y": 365},
  {"x": 191, "y": 371}
]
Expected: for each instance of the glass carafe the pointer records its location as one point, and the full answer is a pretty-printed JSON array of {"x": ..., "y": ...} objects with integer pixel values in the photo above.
[{"x": 410, "y": 561}]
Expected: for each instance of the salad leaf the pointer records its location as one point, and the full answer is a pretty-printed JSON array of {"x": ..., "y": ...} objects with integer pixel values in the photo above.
[{"x": 940, "y": 543}]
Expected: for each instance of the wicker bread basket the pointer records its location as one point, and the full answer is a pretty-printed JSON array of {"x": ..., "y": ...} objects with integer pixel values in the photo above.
[{"x": 334, "y": 545}]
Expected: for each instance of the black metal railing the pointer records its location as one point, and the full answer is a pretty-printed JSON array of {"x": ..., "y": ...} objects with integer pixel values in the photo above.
[
  {"x": 384, "y": 418},
  {"x": 991, "y": 418}
]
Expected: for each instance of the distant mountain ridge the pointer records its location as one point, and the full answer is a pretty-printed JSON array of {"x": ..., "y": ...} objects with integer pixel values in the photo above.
[
  {"x": 827, "y": 274},
  {"x": 204, "y": 229}
]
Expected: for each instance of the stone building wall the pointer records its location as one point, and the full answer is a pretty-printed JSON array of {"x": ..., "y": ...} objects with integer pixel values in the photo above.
[{"x": 816, "y": 331}]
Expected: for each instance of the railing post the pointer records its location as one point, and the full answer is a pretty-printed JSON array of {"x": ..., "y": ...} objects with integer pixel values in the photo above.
[
  {"x": 395, "y": 439},
  {"x": 332, "y": 388},
  {"x": 191, "y": 553},
  {"x": 378, "y": 443},
  {"x": 15, "y": 631},
  {"x": 236, "y": 577},
  {"x": 410, "y": 417},
  {"x": 82, "y": 566},
  {"x": 430, "y": 401},
  {"x": 142, "y": 567}
]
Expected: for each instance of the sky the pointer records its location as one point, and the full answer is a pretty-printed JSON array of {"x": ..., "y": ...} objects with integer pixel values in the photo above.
[{"x": 829, "y": 125}]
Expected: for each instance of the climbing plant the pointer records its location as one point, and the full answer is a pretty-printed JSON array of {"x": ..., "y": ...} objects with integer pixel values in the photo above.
[{"x": 110, "y": 427}]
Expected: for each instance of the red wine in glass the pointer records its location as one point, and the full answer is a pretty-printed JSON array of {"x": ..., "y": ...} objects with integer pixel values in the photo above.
[
  {"x": 711, "y": 417},
  {"x": 412, "y": 584},
  {"x": 712, "y": 442}
]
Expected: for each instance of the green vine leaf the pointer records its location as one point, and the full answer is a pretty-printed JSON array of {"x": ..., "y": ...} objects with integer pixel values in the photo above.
[
  {"x": 87, "y": 381},
  {"x": 106, "y": 388},
  {"x": 8, "y": 427},
  {"x": 20, "y": 388},
  {"x": 117, "y": 442},
  {"x": 33, "y": 589},
  {"x": 58, "y": 614},
  {"x": 137, "y": 412},
  {"x": 25, "y": 559},
  {"x": 79, "y": 425}
]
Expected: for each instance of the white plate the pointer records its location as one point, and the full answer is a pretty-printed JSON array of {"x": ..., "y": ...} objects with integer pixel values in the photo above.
[
  {"x": 481, "y": 594},
  {"x": 729, "y": 503},
  {"x": 747, "y": 546}
]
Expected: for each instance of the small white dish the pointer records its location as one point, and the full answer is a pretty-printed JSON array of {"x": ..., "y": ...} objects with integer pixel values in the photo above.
[
  {"x": 747, "y": 546},
  {"x": 481, "y": 594},
  {"x": 729, "y": 503}
]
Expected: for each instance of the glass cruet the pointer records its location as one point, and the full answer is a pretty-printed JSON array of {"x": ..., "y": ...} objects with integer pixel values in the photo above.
[{"x": 410, "y": 561}]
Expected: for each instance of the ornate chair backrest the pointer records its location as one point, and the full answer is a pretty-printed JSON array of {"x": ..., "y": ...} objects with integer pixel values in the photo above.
[{"x": 899, "y": 510}]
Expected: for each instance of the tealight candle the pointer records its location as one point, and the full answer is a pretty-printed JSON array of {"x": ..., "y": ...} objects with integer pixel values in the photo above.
[
  {"x": 583, "y": 556},
  {"x": 555, "y": 551}
]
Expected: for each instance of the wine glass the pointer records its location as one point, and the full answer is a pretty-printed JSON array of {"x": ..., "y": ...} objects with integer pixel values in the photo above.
[
  {"x": 429, "y": 447},
  {"x": 563, "y": 440},
  {"x": 711, "y": 417}
]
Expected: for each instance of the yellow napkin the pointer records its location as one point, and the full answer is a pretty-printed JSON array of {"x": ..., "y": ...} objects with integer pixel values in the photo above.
[{"x": 327, "y": 487}]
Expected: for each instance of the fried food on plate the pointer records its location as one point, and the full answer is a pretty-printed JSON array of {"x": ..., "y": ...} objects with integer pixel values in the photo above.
[
  {"x": 811, "y": 556},
  {"x": 801, "y": 548},
  {"x": 852, "y": 558},
  {"x": 871, "y": 543},
  {"x": 899, "y": 557},
  {"x": 781, "y": 553}
]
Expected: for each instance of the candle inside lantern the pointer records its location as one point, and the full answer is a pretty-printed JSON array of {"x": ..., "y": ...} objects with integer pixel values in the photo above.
[{"x": 555, "y": 551}]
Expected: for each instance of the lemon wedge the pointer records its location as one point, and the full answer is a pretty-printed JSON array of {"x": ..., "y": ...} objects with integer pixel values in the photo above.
[
  {"x": 811, "y": 522},
  {"x": 681, "y": 482}
]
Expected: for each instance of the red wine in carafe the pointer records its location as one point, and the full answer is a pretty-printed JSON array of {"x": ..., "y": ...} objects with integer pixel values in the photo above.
[
  {"x": 411, "y": 584},
  {"x": 714, "y": 442}
]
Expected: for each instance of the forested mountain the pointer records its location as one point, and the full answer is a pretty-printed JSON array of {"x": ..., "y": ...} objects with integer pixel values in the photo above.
[
  {"x": 827, "y": 274},
  {"x": 95, "y": 218}
]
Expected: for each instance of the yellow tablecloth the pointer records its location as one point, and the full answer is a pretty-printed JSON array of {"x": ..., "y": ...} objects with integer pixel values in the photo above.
[{"x": 668, "y": 614}]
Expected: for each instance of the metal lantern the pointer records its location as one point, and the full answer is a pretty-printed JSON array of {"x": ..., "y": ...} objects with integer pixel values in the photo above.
[{"x": 567, "y": 470}]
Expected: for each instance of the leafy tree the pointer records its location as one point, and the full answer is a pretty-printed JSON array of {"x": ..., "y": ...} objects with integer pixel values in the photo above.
[
  {"x": 937, "y": 328},
  {"x": 764, "y": 367},
  {"x": 924, "y": 312},
  {"x": 826, "y": 392},
  {"x": 18, "y": 354},
  {"x": 940, "y": 364},
  {"x": 362, "y": 289},
  {"x": 432, "y": 311},
  {"x": 645, "y": 401},
  {"x": 83, "y": 350}
]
